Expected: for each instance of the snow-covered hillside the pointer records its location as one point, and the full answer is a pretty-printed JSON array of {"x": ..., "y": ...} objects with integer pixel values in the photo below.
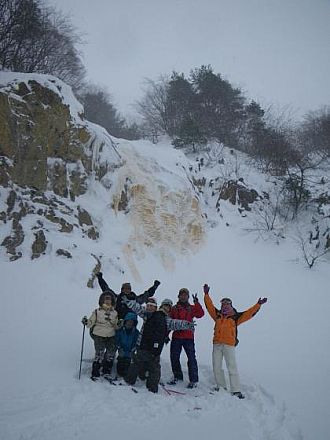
[{"x": 161, "y": 215}]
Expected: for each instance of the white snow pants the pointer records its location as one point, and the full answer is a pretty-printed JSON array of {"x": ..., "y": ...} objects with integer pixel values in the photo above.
[{"x": 221, "y": 351}]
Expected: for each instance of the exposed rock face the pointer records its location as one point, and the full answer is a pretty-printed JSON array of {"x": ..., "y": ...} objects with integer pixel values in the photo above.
[
  {"x": 45, "y": 213},
  {"x": 39, "y": 245},
  {"x": 39, "y": 138},
  {"x": 45, "y": 145},
  {"x": 236, "y": 192}
]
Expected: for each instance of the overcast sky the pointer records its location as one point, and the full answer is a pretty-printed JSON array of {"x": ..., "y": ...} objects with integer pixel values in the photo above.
[{"x": 277, "y": 51}]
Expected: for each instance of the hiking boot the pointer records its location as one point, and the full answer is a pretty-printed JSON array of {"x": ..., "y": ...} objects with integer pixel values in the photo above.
[
  {"x": 192, "y": 385},
  {"x": 96, "y": 369},
  {"x": 107, "y": 367},
  {"x": 173, "y": 381},
  {"x": 219, "y": 388},
  {"x": 238, "y": 394}
]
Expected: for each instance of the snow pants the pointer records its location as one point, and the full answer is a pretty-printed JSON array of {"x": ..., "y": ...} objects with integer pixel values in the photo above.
[
  {"x": 189, "y": 347},
  {"x": 145, "y": 361},
  {"x": 105, "y": 350},
  {"x": 123, "y": 364},
  {"x": 227, "y": 352}
]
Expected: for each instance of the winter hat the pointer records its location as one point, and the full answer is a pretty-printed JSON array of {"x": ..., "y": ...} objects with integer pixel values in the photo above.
[
  {"x": 152, "y": 302},
  {"x": 126, "y": 285},
  {"x": 130, "y": 316},
  {"x": 183, "y": 290},
  {"x": 103, "y": 295},
  {"x": 226, "y": 300},
  {"x": 167, "y": 302}
]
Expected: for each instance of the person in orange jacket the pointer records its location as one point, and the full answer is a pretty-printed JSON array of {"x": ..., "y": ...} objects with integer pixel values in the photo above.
[{"x": 227, "y": 319}]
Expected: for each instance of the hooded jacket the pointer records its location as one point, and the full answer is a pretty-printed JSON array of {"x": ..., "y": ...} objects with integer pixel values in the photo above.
[
  {"x": 225, "y": 328},
  {"x": 126, "y": 339}
]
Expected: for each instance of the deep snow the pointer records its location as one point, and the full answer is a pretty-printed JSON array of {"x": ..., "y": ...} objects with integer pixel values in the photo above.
[{"x": 282, "y": 354}]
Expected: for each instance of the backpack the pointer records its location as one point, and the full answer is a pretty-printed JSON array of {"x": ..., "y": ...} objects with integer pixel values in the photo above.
[{"x": 91, "y": 334}]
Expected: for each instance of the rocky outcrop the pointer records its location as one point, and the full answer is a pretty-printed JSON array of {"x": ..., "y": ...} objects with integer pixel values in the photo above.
[
  {"x": 46, "y": 147},
  {"x": 40, "y": 141}
]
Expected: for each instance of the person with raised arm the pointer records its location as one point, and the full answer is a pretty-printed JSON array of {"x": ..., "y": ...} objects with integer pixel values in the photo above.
[{"x": 226, "y": 320}]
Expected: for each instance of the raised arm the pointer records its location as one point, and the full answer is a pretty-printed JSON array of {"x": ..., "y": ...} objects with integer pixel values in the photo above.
[
  {"x": 141, "y": 299},
  {"x": 136, "y": 308},
  {"x": 103, "y": 284},
  {"x": 248, "y": 314},
  {"x": 208, "y": 303}
]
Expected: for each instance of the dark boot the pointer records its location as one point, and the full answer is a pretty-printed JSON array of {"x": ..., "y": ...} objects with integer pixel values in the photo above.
[
  {"x": 238, "y": 394},
  {"x": 96, "y": 369},
  {"x": 107, "y": 367}
]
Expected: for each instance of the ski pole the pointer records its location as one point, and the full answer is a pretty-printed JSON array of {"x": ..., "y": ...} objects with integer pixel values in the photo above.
[{"x": 82, "y": 350}]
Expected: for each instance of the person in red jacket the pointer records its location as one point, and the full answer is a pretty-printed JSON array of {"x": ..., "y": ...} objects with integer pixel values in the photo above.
[{"x": 185, "y": 338}]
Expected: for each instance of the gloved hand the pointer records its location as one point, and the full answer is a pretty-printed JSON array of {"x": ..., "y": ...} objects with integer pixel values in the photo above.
[
  {"x": 84, "y": 320},
  {"x": 99, "y": 275},
  {"x": 206, "y": 288},
  {"x": 192, "y": 325},
  {"x": 124, "y": 299},
  {"x": 120, "y": 323},
  {"x": 156, "y": 283},
  {"x": 195, "y": 299},
  {"x": 167, "y": 340},
  {"x": 262, "y": 301}
]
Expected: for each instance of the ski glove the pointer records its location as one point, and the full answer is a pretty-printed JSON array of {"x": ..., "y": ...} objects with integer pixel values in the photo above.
[
  {"x": 192, "y": 325},
  {"x": 84, "y": 320},
  {"x": 156, "y": 283},
  {"x": 195, "y": 299},
  {"x": 206, "y": 288},
  {"x": 167, "y": 340},
  {"x": 262, "y": 301}
]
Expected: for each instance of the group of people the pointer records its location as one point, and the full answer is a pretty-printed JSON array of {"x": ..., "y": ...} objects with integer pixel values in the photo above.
[{"x": 113, "y": 327}]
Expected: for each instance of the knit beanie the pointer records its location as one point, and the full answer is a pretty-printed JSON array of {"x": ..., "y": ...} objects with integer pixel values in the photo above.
[
  {"x": 152, "y": 301},
  {"x": 167, "y": 302}
]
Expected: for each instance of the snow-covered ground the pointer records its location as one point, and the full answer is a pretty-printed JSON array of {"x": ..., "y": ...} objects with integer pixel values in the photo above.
[
  {"x": 172, "y": 233},
  {"x": 282, "y": 354}
]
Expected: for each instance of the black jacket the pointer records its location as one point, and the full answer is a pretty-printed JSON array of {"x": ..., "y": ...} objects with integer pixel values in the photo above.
[
  {"x": 154, "y": 333},
  {"x": 121, "y": 307}
]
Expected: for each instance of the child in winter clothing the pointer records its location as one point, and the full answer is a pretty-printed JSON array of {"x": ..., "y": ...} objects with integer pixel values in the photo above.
[
  {"x": 103, "y": 325},
  {"x": 126, "y": 339},
  {"x": 227, "y": 319},
  {"x": 185, "y": 338}
]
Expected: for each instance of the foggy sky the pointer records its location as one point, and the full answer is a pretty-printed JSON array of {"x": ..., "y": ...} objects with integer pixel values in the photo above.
[{"x": 277, "y": 51}]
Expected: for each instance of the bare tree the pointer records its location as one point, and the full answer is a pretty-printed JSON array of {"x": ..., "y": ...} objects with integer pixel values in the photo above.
[
  {"x": 311, "y": 254},
  {"x": 153, "y": 106},
  {"x": 36, "y": 38}
]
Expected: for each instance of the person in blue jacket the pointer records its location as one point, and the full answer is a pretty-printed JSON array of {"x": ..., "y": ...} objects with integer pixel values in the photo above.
[{"x": 126, "y": 339}]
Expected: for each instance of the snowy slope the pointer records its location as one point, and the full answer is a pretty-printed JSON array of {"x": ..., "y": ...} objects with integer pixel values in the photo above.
[
  {"x": 156, "y": 222},
  {"x": 278, "y": 352}
]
